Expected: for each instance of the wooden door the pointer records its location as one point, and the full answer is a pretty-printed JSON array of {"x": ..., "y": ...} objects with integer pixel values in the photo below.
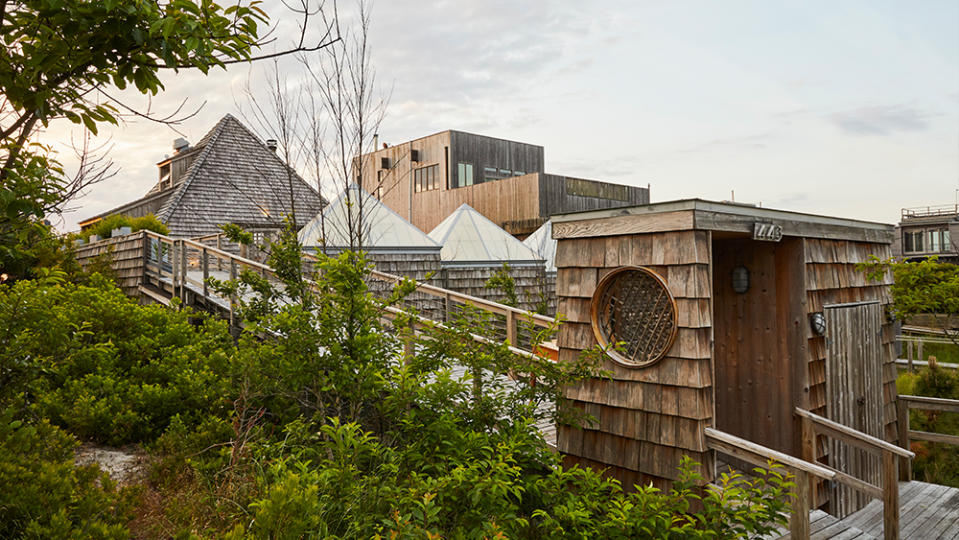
[{"x": 854, "y": 393}]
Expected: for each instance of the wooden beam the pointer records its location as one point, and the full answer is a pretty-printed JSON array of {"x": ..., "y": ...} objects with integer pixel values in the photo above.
[
  {"x": 851, "y": 436},
  {"x": 627, "y": 224},
  {"x": 934, "y": 437},
  {"x": 759, "y": 455},
  {"x": 931, "y": 403}
]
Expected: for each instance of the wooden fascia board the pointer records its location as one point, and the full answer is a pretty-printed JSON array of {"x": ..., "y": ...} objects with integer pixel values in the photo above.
[
  {"x": 798, "y": 225},
  {"x": 681, "y": 220}
]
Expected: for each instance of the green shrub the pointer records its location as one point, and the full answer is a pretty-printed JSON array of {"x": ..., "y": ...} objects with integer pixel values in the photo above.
[
  {"x": 934, "y": 462},
  {"x": 45, "y": 496},
  {"x": 104, "y": 227},
  {"x": 93, "y": 361}
]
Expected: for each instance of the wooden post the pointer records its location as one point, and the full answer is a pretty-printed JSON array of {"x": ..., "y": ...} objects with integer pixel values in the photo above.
[
  {"x": 902, "y": 413},
  {"x": 919, "y": 355},
  {"x": 511, "y": 327},
  {"x": 219, "y": 246},
  {"x": 890, "y": 496},
  {"x": 912, "y": 367},
  {"x": 206, "y": 271},
  {"x": 232, "y": 296},
  {"x": 808, "y": 435},
  {"x": 799, "y": 521},
  {"x": 243, "y": 251},
  {"x": 446, "y": 314},
  {"x": 182, "y": 271},
  {"x": 175, "y": 267}
]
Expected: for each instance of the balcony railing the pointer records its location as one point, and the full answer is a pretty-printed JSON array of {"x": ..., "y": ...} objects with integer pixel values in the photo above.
[{"x": 930, "y": 211}]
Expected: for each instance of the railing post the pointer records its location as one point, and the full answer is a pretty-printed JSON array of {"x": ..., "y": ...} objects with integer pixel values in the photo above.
[
  {"x": 232, "y": 296},
  {"x": 175, "y": 268},
  {"x": 182, "y": 271},
  {"x": 799, "y": 521},
  {"x": 219, "y": 247},
  {"x": 890, "y": 496},
  {"x": 808, "y": 450},
  {"x": 206, "y": 271},
  {"x": 511, "y": 327},
  {"x": 902, "y": 413}
]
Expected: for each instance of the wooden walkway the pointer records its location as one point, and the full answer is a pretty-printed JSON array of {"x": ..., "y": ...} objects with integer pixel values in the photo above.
[{"x": 926, "y": 511}]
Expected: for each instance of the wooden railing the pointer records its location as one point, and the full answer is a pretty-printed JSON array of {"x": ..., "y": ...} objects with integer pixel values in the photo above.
[
  {"x": 888, "y": 490},
  {"x": 803, "y": 470},
  {"x": 907, "y": 435},
  {"x": 184, "y": 266}
]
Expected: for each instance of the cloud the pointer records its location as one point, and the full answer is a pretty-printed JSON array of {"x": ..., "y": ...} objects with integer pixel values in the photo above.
[{"x": 881, "y": 120}]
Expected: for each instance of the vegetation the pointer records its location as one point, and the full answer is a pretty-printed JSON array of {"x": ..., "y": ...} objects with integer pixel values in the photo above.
[
  {"x": 317, "y": 422},
  {"x": 104, "y": 228},
  {"x": 929, "y": 288}
]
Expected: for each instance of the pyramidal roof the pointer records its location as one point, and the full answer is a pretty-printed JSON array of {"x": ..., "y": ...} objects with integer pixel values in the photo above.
[
  {"x": 468, "y": 237},
  {"x": 382, "y": 228},
  {"x": 236, "y": 179},
  {"x": 541, "y": 241}
]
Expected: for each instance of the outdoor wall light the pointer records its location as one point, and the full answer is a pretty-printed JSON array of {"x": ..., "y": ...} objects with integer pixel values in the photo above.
[
  {"x": 818, "y": 323},
  {"x": 740, "y": 279}
]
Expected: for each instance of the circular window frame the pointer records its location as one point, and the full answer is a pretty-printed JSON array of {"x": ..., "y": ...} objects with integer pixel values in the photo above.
[{"x": 603, "y": 340}]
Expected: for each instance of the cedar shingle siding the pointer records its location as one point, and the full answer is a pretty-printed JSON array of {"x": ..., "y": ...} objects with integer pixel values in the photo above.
[{"x": 234, "y": 178}]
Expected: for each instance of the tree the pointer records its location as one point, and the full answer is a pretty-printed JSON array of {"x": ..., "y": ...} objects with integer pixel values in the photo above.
[
  {"x": 925, "y": 287},
  {"x": 64, "y": 58}
]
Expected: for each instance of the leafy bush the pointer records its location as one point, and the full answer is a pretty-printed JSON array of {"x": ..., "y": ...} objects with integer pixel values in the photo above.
[
  {"x": 104, "y": 227},
  {"x": 934, "y": 462},
  {"x": 45, "y": 496},
  {"x": 93, "y": 361}
]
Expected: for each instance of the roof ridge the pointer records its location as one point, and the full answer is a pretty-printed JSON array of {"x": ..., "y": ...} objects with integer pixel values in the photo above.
[{"x": 171, "y": 205}]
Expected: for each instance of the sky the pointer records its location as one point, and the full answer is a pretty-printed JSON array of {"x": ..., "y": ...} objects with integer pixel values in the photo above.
[{"x": 846, "y": 108}]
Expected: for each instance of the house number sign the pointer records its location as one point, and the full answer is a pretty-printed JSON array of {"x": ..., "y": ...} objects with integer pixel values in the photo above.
[{"x": 767, "y": 231}]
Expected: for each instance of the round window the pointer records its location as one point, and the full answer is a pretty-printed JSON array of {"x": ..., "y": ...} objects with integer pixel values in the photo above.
[{"x": 634, "y": 316}]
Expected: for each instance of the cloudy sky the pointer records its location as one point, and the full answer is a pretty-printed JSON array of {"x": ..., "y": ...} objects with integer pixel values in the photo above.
[{"x": 840, "y": 108}]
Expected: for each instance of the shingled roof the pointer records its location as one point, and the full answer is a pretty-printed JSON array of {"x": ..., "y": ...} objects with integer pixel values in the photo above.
[{"x": 234, "y": 178}]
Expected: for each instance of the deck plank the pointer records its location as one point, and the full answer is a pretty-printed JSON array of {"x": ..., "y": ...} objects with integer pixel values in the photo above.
[{"x": 925, "y": 510}]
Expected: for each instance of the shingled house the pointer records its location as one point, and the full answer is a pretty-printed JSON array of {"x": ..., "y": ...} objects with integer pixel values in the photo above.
[{"x": 230, "y": 176}]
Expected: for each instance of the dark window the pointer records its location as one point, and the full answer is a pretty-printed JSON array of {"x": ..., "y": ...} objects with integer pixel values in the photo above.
[{"x": 426, "y": 178}]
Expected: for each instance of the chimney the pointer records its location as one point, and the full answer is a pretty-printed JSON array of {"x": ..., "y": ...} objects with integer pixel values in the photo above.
[
  {"x": 180, "y": 144},
  {"x": 271, "y": 144},
  {"x": 376, "y": 141}
]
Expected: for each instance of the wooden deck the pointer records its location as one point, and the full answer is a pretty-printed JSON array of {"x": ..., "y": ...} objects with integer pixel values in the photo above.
[{"x": 926, "y": 511}]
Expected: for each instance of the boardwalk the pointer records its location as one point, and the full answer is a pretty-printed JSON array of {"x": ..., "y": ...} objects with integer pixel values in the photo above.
[{"x": 926, "y": 511}]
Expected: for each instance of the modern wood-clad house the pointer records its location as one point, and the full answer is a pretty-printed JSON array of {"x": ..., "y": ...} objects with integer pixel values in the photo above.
[
  {"x": 729, "y": 316},
  {"x": 229, "y": 176},
  {"x": 426, "y": 179}
]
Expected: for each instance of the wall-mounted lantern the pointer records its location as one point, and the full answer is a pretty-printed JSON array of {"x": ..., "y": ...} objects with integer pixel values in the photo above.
[
  {"x": 740, "y": 279},
  {"x": 818, "y": 323}
]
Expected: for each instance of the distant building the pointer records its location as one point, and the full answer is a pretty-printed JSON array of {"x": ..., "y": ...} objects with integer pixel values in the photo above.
[
  {"x": 230, "y": 176},
  {"x": 427, "y": 179},
  {"x": 926, "y": 231}
]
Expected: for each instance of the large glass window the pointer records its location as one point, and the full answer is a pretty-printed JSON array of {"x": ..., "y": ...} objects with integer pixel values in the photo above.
[
  {"x": 912, "y": 242},
  {"x": 934, "y": 241},
  {"x": 426, "y": 178},
  {"x": 464, "y": 174},
  {"x": 946, "y": 240}
]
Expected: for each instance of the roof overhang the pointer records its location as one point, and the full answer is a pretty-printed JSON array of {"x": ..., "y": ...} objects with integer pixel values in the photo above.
[{"x": 698, "y": 214}]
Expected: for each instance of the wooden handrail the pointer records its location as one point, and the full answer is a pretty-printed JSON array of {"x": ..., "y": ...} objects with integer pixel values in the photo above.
[
  {"x": 813, "y": 424},
  {"x": 931, "y": 403},
  {"x": 759, "y": 455},
  {"x": 852, "y": 436},
  {"x": 179, "y": 281},
  {"x": 907, "y": 435},
  {"x": 720, "y": 440}
]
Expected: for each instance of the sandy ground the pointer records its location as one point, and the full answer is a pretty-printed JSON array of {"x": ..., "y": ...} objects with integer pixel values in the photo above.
[{"x": 123, "y": 465}]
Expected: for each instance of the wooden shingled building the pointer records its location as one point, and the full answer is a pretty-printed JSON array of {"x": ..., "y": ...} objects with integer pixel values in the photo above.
[
  {"x": 229, "y": 176},
  {"x": 728, "y": 316}
]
